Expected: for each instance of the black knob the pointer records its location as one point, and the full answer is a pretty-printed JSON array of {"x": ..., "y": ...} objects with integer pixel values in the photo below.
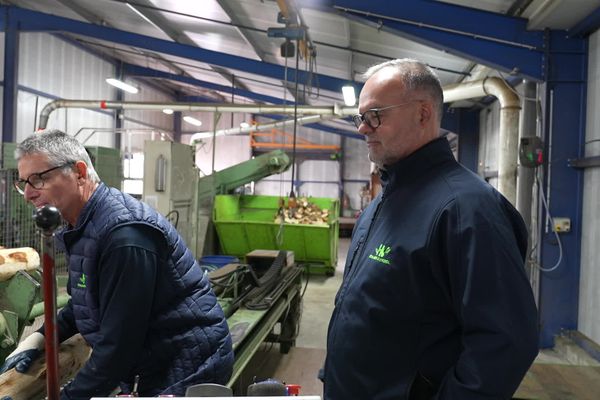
[{"x": 47, "y": 218}]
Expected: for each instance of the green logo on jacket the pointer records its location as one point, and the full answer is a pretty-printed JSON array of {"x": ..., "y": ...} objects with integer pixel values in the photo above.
[
  {"x": 82, "y": 281},
  {"x": 381, "y": 253}
]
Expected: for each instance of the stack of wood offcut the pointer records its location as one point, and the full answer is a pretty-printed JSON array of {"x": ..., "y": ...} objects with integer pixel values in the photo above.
[
  {"x": 72, "y": 354},
  {"x": 302, "y": 211},
  {"x": 13, "y": 260}
]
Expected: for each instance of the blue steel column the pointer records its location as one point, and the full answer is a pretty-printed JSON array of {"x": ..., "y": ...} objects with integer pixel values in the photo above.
[
  {"x": 119, "y": 114},
  {"x": 9, "y": 94},
  {"x": 177, "y": 126},
  {"x": 564, "y": 122},
  {"x": 468, "y": 139}
]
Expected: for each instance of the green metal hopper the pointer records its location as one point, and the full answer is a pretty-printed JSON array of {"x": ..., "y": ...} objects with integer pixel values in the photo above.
[{"x": 246, "y": 223}]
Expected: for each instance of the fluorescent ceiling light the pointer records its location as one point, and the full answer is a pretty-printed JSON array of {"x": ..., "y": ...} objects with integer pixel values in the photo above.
[
  {"x": 122, "y": 85},
  {"x": 168, "y": 111},
  {"x": 349, "y": 95},
  {"x": 244, "y": 125},
  {"x": 192, "y": 120}
]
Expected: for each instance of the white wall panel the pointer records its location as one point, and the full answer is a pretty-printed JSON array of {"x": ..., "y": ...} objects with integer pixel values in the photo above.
[
  {"x": 356, "y": 167},
  {"x": 275, "y": 185},
  {"x": 50, "y": 65},
  {"x": 153, "y": 118},
  {"x": 589, "y": 289},
  {"x": 230, "y": 150},
  {"x": 319, "y": 179}
]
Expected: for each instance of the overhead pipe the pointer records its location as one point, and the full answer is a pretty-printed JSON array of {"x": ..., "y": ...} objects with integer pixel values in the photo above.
[
  {"x": 493, "y": 86},
  {"x": 260, "y": 127},
  {"x": 510, "y": 107},
  {"x": 334, "y": 111}
]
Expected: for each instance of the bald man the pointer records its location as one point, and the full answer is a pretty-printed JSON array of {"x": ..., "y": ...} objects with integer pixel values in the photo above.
[{"x": 435, "y": 303}]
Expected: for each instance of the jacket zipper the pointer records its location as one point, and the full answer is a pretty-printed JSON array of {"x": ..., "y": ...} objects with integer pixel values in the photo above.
[
  {"x": 360, "y": 246},
  {"x": 352, "y": 272}
]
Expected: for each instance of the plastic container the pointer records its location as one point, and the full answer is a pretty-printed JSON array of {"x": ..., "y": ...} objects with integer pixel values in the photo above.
[{"x": 246, "y": 223}]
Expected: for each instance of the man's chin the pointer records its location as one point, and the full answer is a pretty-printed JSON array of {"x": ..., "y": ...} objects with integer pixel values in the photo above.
[{"x": 375, "y": 160}]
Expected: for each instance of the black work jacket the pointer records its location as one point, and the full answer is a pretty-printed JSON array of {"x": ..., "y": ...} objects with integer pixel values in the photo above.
[{"x": 435, "y": 302}]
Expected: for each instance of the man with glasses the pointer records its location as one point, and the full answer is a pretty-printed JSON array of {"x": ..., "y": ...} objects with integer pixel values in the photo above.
[
  {"x": 435, "y": 303},
  {"x": 138, "y": 297}
]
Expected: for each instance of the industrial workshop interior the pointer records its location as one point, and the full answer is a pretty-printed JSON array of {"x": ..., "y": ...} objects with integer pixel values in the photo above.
[{"x": 236, "y": 121}]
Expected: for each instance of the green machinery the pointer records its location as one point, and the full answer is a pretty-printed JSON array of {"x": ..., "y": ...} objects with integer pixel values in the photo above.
[
  {"x": 245, "y": 223},
  {"x": 17, "y": 297},
  {"x": 20, "y": 303},
  {"x": 173, "y": 187}
]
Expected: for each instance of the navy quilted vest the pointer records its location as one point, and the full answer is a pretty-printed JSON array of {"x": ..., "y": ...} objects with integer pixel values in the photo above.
[{"x": 187, "y": 323}]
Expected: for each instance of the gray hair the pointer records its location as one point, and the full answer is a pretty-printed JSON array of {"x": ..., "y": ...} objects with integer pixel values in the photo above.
[
  {"x": 60, "y": 149},
  {"x": 416, "y": 76}
]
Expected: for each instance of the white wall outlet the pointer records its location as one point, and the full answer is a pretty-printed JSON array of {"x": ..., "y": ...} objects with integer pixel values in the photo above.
[{"x": 561, "y": 224}]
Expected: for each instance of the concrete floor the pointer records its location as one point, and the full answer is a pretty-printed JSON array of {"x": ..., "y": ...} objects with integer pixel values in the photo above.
[{"x": 301, "y": 365}]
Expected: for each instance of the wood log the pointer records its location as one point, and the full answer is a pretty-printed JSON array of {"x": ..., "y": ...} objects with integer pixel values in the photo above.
[
  {"x": 13, "y": 260},
  {"x": 72, "y": 354}
]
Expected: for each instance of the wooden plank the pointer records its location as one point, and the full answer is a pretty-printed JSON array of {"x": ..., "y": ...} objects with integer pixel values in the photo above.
[{"x": 72, "y": 355}]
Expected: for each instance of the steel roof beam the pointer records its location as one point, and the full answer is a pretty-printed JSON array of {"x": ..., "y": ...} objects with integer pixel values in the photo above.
[
  {"x": 36, "y": 21},
  {"x": 492, "y": 39},
  {"x": 138, "y": 71},
  {"x": 145, "y": 9},
  {"x": 94, "y": 19},
  {"x": 244, "y": 33},
  {"x": 587, "y": 26}
]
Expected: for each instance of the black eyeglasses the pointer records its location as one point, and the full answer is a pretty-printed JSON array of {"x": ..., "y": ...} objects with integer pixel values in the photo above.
[
  {"x": 371, "y": 116},
  {"x": 36, "y": 180}
]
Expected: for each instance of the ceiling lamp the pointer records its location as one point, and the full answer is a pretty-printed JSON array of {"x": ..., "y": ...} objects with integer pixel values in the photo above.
[
  {"x": 122, "y": 85},
  {"x": 192, "y": 120},
  {"x": 349, "y": 95}
]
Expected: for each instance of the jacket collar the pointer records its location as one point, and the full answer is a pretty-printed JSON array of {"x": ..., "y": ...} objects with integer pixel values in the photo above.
[{"x": 418, "y": 163}]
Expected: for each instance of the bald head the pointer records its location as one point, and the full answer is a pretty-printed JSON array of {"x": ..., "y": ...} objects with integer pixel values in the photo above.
[{"x": 416, "y": 78}]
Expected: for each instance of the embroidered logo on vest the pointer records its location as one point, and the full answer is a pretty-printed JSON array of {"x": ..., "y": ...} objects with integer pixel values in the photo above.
[
  {"x": 381, "y": 253},
  {"x": 82, "y": 281}
]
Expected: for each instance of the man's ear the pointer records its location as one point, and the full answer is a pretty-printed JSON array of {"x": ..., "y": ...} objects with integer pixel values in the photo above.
[
  {"x": 426, "y": 112},
  {"x": 81, "y": 168}
]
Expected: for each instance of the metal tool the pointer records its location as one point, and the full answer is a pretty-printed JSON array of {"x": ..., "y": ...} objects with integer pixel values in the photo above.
[{"x": 48, "y": 218}]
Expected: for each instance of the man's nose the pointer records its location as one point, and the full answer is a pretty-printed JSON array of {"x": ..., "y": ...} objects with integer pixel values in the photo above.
[
  {"x": 29, "y": 192},
  {"x": 365, "y": 129}
]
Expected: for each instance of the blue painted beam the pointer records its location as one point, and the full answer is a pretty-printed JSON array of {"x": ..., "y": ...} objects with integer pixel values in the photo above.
[
  {"x": 177, "y": 118},
  {"x": 136, "y": 70},
  {"x": 587, "y": 26},
  {"x": 565, "y": 132},
  {"x": 196, "y": 99},
  {"x": 491, "y": 39},
  {"x": 11, "y": 63},
  {"x": 35, "y": 21}
]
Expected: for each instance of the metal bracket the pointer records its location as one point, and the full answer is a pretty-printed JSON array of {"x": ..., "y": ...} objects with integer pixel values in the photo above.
[{"x": 586, "y": 162}]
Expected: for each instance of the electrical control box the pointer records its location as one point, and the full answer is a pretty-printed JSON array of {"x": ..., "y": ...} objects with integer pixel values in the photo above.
[
  {"x": 561, "y": 225},
  {"x": 531, "y": 152}
]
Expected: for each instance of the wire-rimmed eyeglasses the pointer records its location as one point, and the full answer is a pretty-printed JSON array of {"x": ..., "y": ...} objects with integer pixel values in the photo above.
[
  {"x": 36, "y": 180},
  {"x": 371, "y": 116}
]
